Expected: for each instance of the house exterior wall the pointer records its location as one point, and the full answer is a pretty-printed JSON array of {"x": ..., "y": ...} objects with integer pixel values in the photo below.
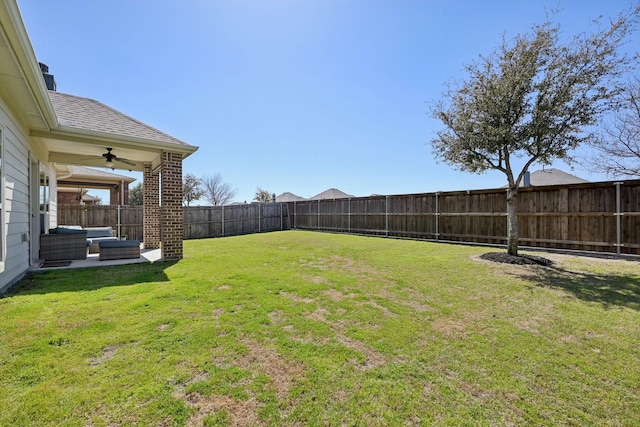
[{"x": 15, "y": 238}]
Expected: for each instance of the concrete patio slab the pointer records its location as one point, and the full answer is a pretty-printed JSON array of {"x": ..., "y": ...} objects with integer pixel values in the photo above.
[{"x": 93, "y": 260}]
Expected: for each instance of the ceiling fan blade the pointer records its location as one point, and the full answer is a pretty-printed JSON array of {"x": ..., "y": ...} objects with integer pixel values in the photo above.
[{"x": 125, "y": 161}]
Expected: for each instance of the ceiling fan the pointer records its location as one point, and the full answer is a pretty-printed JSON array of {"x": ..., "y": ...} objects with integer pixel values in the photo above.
[{"x": 110, "y": 158}]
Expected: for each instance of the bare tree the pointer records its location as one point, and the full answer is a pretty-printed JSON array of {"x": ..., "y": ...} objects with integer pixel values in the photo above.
[
  {"x": 216, "y": 191},
  {"x": 533, "y": 100},
  {"x": 191, "y": 189},
  {"x": 262, "y": 195},
  {"x": 617, "y": 153}
]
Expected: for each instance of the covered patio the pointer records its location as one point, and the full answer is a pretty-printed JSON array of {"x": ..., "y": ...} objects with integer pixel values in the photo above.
[
  {"x": 93, "y": 260},
  {"x": 90, "y": 133}
]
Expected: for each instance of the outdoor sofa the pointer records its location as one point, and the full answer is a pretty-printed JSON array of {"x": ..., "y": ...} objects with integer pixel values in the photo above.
[
  {"x": 98, "y": 234},
  {"x": 69, "y": 242},
  {"x": 119, "y": 249},
  {"x": 66, "y": 243}
]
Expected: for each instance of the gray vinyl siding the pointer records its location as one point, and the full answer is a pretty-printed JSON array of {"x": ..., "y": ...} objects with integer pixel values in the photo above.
[{"x": 16, "y": 217}]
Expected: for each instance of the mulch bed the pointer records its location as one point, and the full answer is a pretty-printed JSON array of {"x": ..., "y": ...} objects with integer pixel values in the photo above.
[{"x": 505, "y": 258}]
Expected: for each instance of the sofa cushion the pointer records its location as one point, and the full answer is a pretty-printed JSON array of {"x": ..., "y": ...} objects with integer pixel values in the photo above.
[
  {"x": 99, "y": 232},
  {"x": 119, "y": 244},
  {"x": 66, "y": 230}
]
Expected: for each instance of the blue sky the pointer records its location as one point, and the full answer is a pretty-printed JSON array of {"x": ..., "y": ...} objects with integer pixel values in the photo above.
[{"x": 291, "y": 95}]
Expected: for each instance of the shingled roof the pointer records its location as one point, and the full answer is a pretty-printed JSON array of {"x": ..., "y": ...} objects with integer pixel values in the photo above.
[
  {"x": 331, "y": 193},
  {"x": 84, "y": 172},
  {"x": 93, "y": 116},
  {"x": 289, "y": 197},
  {"x": 554, "y": 177}
]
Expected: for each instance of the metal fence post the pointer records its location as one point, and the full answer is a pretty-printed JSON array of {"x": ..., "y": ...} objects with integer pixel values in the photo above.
[
  {"x": 437, "y": 218},
  {"x": 618, "y": 219},
  {"x": 349, "y": 217},
  {"x": 386, "y": 216}
]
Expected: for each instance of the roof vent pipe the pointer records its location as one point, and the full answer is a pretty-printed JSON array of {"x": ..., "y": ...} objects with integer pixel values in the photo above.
[{"x": 49, "y": 80}]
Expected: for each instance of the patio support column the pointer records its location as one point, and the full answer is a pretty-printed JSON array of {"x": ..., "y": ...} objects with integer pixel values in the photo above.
[
  {"x": 151, "y": 208},
  {"x": 171, "y": 215}
]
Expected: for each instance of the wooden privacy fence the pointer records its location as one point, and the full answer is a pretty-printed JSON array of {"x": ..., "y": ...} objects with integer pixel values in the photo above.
[
  {"x": 589, "y": 217},
  {"x": 125, "y": 220},
  {"x": 199, "y": 221},
  {"x": 218, "y": 221}
]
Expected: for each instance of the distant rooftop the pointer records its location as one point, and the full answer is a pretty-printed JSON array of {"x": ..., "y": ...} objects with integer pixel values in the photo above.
[
  {"x": 289, "y": 197},
  {"x": 553, "y": 177},
  {"x": 85, "y": 172},
  {"x": 332, "y": 193}
]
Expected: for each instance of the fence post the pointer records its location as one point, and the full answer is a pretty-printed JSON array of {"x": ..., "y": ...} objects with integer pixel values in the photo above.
[
  {"x": 349, "y": 217},
  {"x": 222, "y": 221},
  {"x": 318, "y": 225},
  {"x": 259, "y": 218},
  {"x": 618, "y": 219},
  {"x": 295, "y": 215},
  {"x": 386, "y": 216},
  {"x": 119, "y": 221},
  {"x": 437, "y": 218},
  {"x": 281, "y": 218}
]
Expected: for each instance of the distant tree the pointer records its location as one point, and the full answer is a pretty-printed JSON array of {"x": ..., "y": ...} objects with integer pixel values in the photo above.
[
  {"x": 532, "y": 100},
  {"x": 617, "y": 153},
  {"x": 216, "y": 191},
  {"x": 135, "y": 195},
  {"x": 262, "y": 196},
  {"x": 191, "y": 189}
]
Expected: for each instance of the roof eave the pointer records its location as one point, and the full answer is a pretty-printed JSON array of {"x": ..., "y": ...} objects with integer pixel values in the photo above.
[
  {"x": 66, "y": 133},
  {"x": 26, "y": 58}
]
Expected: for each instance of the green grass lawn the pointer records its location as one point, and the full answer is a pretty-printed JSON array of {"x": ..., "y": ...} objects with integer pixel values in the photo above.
[{"x": 301, "y": 328}]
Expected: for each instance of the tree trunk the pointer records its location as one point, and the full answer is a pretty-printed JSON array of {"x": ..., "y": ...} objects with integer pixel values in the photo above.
[{"x": 512, "y": 221}]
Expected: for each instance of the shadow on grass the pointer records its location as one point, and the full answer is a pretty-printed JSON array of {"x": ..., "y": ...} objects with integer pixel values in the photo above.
[
  {"x": 89, "y": 279},
  {"x": 610, "y": 290}
]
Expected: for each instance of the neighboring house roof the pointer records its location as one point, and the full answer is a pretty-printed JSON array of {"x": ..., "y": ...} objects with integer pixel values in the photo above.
[
  {"x": 332, "y": 193},
  {"x": 553, "y": 177},
  {"x": 90, "y": 115},
  {"x": 289, "y": 197},
  {"x": 74, "y": 176},
  {"x": 90, "y": 198},
  {"x": 84, "y": 172}
]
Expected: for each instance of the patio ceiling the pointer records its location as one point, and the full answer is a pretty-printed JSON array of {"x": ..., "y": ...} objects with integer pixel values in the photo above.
[{"x": 85, "y": 151}]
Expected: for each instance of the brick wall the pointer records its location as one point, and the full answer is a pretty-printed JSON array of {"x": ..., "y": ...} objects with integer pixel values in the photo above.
[
  {"x": 151, "y": 208},
  {"x": 171, "y": 217},
  {"x": 114, "y": 195},
  {"x": 66, "y": 198}
]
